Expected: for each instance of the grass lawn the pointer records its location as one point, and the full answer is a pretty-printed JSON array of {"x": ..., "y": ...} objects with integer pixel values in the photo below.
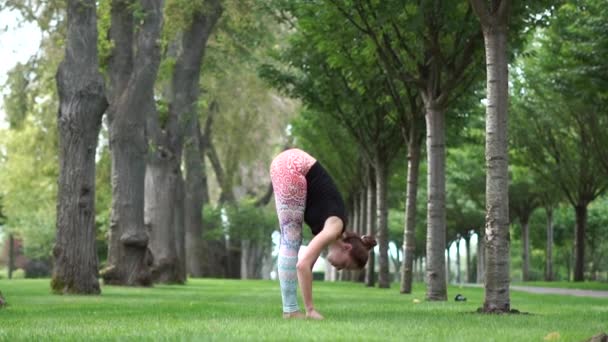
[
  {"x": 587, "y": 285},
  {"x": 213, "y": 309}
]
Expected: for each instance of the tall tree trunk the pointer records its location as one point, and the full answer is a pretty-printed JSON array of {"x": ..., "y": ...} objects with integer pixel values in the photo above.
[
  {"x": 481, "y": 257},
  {"x": 579, "y": 243},
  {"x": 495, "y": 31},
  {"x": 360, "y": 274},
  {"x": 409, "y": 235},
  {"x": 132, "y": 96},
  {"x": 180, "y": 229},
  {"x": 467, "y": 245},
  {"x": 458, "y": 268},
  {"x": 549, "y": 251},
  {"x": 185, "y": 84},
  {"x": 160, "y": 183},
  {"x": 11, "y": 255},
  {"x": 382, "y": 211},
  {"x": 435, "y": 239},
  {"x": 82, "y": 102},
  {"x": 525, "y": 237},
  {"x": 214, "y": 253},
  {"x": 448, "y": 271},
  {"x": 355, "y": 212},
  {"x": 370, "y": 270}
]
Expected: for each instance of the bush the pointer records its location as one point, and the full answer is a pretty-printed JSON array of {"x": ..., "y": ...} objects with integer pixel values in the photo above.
[
  {"x": 38, "y": 269},
  {"x": 18, "y": 274}
]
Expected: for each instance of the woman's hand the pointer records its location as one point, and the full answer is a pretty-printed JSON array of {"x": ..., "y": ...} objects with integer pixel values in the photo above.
[{"x": 314, "y": 314}]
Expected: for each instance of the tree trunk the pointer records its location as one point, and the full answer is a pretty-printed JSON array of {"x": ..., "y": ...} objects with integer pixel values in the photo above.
[
  {"x": 525, "y": 238},
  {"x": 194, "y": 199},
  {"x": 409, "y": 235},
  {"x": 160, "y": 184},
  {"x": 185, "y": 84},
  {"x": 370, "y": 278},
  {"x": 180, "y": 229},
  {"x": 82, "y": 103},
  {"x": 467, "y": 245},
  {"x": 447, "y": 268},
  {"x": 382, "y": 219},
  {"x": 481, "y": 257},
  {"x": 11, "y": 255},
  {"x": 435, "y": 239},
  {"x": 132, "y": 97},
  {"x": 579, "y": 243},
  {"x": 359, "y": 275},
  {"x": 458, "y": 271},
  {"x": 549, "y": 251},
  {"x": 497, "y": 296}
]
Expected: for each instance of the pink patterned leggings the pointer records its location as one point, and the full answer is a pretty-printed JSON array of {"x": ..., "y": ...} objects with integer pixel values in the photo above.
[{"x": 288, "y": 174}]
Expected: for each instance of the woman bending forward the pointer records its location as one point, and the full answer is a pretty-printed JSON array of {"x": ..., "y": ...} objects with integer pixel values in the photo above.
[{"x": 304, "y": 192}]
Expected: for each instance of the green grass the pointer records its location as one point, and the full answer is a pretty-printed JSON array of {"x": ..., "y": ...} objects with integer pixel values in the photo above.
[
  {"x": 250, "y": 310},
  {"x": 587, "y": 285}
]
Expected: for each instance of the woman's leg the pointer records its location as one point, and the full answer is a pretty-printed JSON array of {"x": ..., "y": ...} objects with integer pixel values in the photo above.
[{"x": 289, "y": 184}]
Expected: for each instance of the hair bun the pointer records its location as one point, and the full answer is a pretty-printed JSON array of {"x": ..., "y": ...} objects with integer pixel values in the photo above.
[{"x": 369, "y": 241}]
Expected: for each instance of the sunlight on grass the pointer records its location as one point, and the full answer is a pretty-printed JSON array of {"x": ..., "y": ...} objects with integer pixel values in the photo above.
[{"x": 250, "y": 310}]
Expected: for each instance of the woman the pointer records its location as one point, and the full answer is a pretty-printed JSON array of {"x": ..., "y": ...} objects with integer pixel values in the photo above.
[{"x": 304, "y": 192}]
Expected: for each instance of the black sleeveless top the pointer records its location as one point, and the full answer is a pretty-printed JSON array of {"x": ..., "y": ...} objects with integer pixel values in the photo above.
[{"x": 323, "y": 199}]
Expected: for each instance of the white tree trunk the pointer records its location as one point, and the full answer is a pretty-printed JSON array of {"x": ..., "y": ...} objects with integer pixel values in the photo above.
[
  {"x": 497, "y": 296},
  {"x": 370, "y": 279},
  {"x": 382, "y": 219},
  {"x": 409, "y": 234},
  {"x": 435, "y": 239}
]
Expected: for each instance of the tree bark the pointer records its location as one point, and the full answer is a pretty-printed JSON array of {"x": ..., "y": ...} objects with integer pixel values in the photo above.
[
  {"x": 481, "y": 252},
  {"x": 180, "y": 228},
  {"x": 448, "y": 271},
  {"x": 409, "y": 235},
  {"x": 382, "y": 219},
  {"x": 82, "y": 102},
  {"x": 132, "y": 96},
  {"x": 458, "y": 268},
  {"x": 370, "y": 270},
  {"x": 467, "y": 245},
  {"x": 579, "y": 243},
  {"x": 525, "y": 238},
  {"x": 11, "y": 255},
  {"x": 435, "y": 240},
  {"x": 549, "y": 250},
  {"x": 497, "y": 296},
  {"x": 186, "y": 77},
  {"x": 360, "y": 274}
]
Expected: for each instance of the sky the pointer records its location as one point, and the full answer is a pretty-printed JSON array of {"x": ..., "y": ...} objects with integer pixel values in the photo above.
[{"x": 18, "y": 42}]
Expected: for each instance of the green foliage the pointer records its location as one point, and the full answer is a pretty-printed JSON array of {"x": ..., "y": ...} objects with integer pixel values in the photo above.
[
  {"x": 246, "y": 221},
  {"x": 248, "y": 310},
  {"x": 29, "y": 176},
  {"x": 212, "y": 223}
]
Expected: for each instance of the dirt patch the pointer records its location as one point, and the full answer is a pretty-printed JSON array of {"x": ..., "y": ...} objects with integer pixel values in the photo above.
[{"x": 501, "y": 312}]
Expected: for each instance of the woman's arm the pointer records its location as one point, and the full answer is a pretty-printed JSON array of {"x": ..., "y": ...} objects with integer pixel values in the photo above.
[{"x": 331, "y": 231}]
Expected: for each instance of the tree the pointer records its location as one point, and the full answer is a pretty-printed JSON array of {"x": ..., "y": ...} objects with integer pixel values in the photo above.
[
  {"x": 185, "y": 95},
  {"x": 524, "y": 199},
  {"x": 494, "y": 18},
  {"x": 561, "y": 142},
  {"x": 132, "y": 68},
  {"x": 413, "y": 48},
  {"x": 82, "y": 104}
]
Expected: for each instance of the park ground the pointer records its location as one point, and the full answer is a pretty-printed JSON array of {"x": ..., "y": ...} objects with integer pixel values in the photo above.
[{"x": 229, "y": 310}]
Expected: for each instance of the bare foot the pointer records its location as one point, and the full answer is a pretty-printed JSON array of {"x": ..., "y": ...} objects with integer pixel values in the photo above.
[
  {"x": 295, "y": 314},
  {"x": 314, "y": 314}
]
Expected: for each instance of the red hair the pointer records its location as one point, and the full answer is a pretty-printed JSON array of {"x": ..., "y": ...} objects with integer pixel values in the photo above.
[{"x": 361, "y": 245}]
